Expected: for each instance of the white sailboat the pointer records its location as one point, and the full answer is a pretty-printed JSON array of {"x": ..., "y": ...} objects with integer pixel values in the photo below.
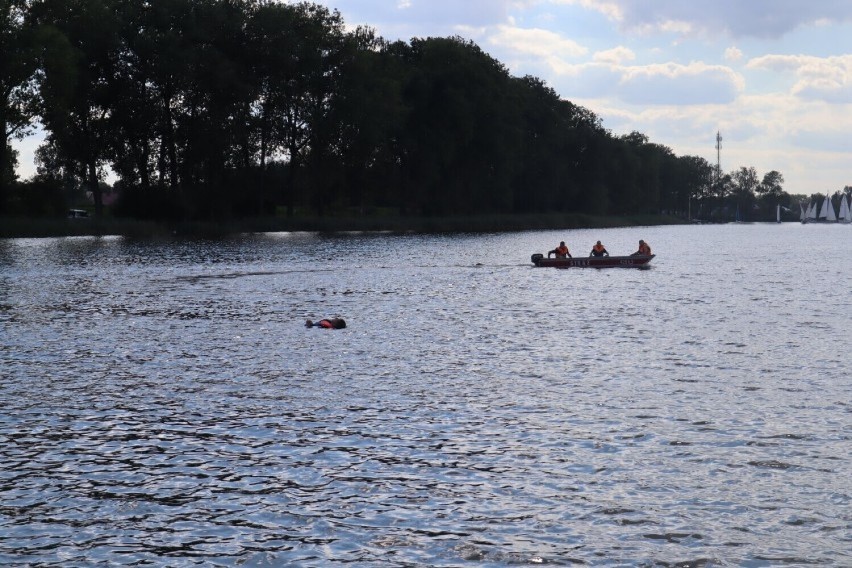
[
  {"x": 826, "y": 212},
  {"x": 812, "y": 213},
  {"x": 845, "y": 215},
  {"x": 802, "y": 213},
  {"x": 831, "y": 216}
]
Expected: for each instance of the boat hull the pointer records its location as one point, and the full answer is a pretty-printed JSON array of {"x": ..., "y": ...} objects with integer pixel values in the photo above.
[{"x": 637, "y": 261}]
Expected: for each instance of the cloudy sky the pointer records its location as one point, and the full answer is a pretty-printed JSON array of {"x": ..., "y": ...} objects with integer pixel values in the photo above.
[{"x": 773, "y": 76}]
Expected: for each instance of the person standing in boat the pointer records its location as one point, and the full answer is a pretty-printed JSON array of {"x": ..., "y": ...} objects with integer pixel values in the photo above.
[
  {"x": 599, "y": 250},
  {"x": 561, "y": 251},
  {"x": 644, "y": 249}
]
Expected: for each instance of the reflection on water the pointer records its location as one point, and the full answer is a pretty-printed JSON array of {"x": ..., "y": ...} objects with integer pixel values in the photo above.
[{"x": 164, "y": 404}]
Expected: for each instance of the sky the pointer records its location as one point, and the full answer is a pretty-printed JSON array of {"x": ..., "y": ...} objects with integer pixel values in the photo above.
[{"x": 773, "y": 77}]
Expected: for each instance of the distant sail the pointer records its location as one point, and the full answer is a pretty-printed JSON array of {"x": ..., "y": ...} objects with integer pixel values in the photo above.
[
  {"x": 830, "y": 215},
  {"x": 845, "y": 213},
  {"x": 826, "y": 212},
  {"x": 812, "y": 212}
]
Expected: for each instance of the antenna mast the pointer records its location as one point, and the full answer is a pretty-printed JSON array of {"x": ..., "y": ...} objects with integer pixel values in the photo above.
[{"x": 718, "y": 155}]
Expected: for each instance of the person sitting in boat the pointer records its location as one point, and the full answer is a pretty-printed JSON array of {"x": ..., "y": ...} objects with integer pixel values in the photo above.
[
  {"x": 644, "y": 249},
  {"x": 561, "y": 251},
  {"x": 599, "y": 250},
  {"x": 332, "y": 323}
]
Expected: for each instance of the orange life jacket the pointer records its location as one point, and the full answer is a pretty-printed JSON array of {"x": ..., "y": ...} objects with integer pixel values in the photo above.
[
  {"x": 644, "y": 248},
  {"x": 598, "y": 248},
  {"x": 562, "y": 251}
]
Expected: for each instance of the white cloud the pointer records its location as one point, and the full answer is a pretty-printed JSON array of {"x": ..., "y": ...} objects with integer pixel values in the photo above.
[
  {"x": 664, "y": 85},
  {"x": 615, "y": 56},
  {"x": 593, "y": 81},
  {"x": 778, "y": 62},
  {"x": 404, "y": 19},
  {"x": 834, "y": 141},
  {"x": 676, "y": 84},
  {"x": 537, "y": 42},
  {"x": 610, "y": 9},
  {"x": 755, "y": 18},
  {"x": 819, "y": 78},
  {"x": 733, "y": 54}
]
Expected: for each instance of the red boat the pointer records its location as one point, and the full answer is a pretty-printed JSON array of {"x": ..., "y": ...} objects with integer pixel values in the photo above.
[{"x": 633, "y": 261}]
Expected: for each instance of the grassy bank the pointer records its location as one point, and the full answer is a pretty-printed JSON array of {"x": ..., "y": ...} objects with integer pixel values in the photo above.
[{"x": 22, "y": 227}]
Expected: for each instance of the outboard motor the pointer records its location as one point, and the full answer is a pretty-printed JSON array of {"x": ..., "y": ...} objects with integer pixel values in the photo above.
[{"x": 536, "y": 258}]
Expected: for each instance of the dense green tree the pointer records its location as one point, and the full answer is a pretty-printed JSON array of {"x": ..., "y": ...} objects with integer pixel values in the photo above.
[
  {"x": 8, "y": 173},
  {"x": 216, "y": 99},
  {"x": 143, "y": 90},
  {"x": 771, "y": 195},
  {"x": 321, "y": 73},
  {"x": 772, "y": 185},
  {"x": 693, "y": 186},
  {"x": 300, "y": 49},
  {"x": 638, "y": 174},
  {"x": 745, "y": 185},
  {"x": 548, "y": 154},
  {"x": 368, "y": 112},
  {"x": 77, "y": 82},
  {"x": 462, "y": 129},
  {"x": 745, "y": 181},
  {"x": 160, "y": 54},
  {"x": 272, "y": 52},
  {"x": 18, "y": 66}
]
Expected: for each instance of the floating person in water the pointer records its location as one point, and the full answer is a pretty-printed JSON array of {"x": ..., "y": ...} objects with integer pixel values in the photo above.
[
  {"x": 644, "y": 249},
  {"x": 561, "y": 251},
  {"x": 599, "y": 250},
  {"x": 329, "y": 323}
]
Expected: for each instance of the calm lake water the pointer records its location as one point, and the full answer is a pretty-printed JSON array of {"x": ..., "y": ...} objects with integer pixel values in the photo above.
[{"x": 163, "y": 403}]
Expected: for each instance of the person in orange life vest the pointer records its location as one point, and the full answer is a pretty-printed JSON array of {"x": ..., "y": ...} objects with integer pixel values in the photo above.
[
  {"x": 561, "y": 251},
  {"x": 599, "y": 250},
  {"x": 644, "y": 249},
  {"x": 333, "y": 323}
]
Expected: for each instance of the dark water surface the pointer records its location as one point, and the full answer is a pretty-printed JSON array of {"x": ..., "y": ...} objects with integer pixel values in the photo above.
[{"x": 163, "y": 404}]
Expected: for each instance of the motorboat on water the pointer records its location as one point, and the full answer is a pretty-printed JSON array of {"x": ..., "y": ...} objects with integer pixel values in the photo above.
[{"x": 632, "y": 261}]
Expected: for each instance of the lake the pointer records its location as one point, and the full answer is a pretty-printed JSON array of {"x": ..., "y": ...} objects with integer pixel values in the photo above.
[{"x": 163, "y": 402}]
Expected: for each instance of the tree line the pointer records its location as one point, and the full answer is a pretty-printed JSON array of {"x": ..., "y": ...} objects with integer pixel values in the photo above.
[{"x": 210, "y": 109}]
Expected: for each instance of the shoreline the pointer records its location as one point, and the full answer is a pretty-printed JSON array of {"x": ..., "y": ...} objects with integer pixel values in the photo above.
[{"x": 15, "y": 227}]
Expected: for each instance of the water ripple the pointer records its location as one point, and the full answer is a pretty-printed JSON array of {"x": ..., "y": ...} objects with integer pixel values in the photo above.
[{"x": 164, "y": 404}]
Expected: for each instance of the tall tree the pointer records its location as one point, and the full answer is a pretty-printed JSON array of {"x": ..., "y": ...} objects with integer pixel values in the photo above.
[
  {"x": 215, "y": 102},
  {"x": 76, "y": 85},
  {"x": 746, "y": 181},
  {"x": 18, "y": 65},
  {"x": 162, "y": 52},
  {"x": 297, "y": 51},
  {"x": 544, "y": 177},
  {"x": 772, "y": 185},
  {"x": 694, "y": 185},
  {"x": 463, "y": 129},
  {"x": 369, "y": 113},
  {"x": 321, "y": 72}
]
